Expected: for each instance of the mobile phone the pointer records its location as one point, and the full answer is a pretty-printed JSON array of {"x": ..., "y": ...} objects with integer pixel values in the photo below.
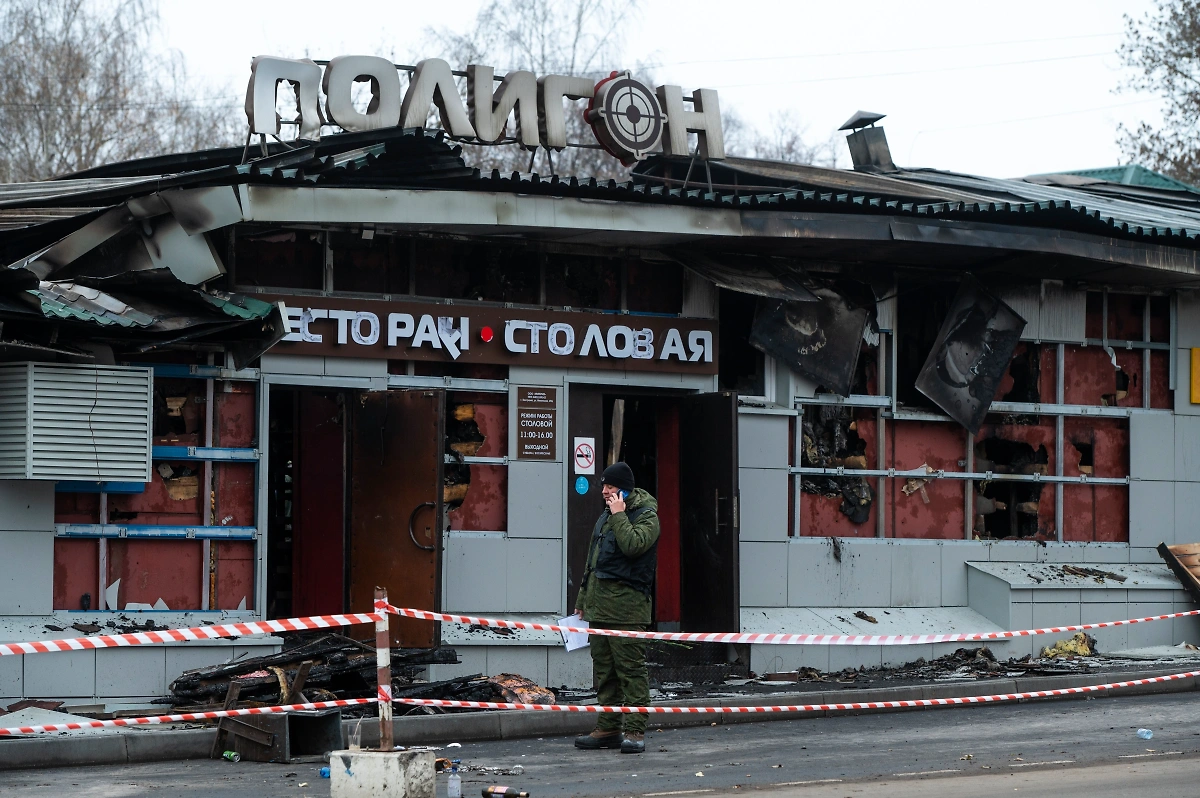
[{"x": 624, "y": 495}]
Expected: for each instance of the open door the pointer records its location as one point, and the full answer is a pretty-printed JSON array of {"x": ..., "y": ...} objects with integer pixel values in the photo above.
[
  {"x": 708, "y": 501},
  {"x": 396, "y": 505}
]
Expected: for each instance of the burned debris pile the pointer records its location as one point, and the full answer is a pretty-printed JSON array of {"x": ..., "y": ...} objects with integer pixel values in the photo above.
[
  {"x": 329, "y": 667},
  {"x": 311, "y": 668}
]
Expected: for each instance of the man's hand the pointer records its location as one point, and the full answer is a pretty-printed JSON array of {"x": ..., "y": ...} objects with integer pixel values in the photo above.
[
  {"x": 578, "y": 613},
  {"x": 616, "y": 504}
]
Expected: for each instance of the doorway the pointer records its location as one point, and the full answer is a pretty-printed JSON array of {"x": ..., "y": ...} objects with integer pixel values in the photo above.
[
  {"x": 354, "y": 502},
  {"x": 683, "y": 450}
]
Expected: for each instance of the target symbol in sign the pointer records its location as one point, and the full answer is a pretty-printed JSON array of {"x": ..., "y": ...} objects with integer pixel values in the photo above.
[
  {"x": 626, "y": 117},
  {"x": 585, "y": 458}
]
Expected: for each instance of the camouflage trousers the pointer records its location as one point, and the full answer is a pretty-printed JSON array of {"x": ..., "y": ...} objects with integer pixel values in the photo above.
[{"x": 620, "y": 678}]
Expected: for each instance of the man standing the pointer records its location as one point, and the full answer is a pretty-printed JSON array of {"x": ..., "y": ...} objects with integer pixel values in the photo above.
[{"x": 615, "y": 594}]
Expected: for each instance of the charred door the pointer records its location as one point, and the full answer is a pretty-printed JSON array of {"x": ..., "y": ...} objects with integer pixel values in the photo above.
[
  {"x": 708, "y": 500},
  {"x": 396, "y": 505}
]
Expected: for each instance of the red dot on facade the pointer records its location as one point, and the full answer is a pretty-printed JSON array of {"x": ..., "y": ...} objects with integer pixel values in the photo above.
[{"x": 486, "y": 334}]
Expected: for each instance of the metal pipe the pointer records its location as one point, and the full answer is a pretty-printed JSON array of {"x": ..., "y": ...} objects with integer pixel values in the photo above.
[
  {"x": 1146, "y": 355},
  {"x": 881, "y": 379},
  {"x": 797, "y": 486},
  {"x": 1059, "y": 397},
  {"x": 969, "y": 489},
  {"x": 985, "y": 476}
]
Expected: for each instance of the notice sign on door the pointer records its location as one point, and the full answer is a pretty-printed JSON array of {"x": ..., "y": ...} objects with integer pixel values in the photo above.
[
  {"x": 537, "y": 423},
  {"x": 585, "y": 455}
]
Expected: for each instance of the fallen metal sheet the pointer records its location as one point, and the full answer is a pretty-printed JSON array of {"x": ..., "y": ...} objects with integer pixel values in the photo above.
[
  {"x": 818, "y": 340},
  {"x": 971, "y": 354},
  {"x": 760, "y": 278},
  {"x": 199, "y": 210},
  {"x": 1184, "y": 562},
  {"x": 192, "y": 259}
]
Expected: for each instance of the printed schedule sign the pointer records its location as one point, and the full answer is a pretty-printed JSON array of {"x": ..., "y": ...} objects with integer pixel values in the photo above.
[{"x": 537, "y": 423}]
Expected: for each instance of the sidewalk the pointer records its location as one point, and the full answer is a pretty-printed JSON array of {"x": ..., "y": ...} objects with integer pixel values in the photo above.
[{"x": 151, "y": 745}]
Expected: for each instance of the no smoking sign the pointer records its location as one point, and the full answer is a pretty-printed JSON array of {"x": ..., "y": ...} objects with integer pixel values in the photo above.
[{"x": 585, "y": 455}]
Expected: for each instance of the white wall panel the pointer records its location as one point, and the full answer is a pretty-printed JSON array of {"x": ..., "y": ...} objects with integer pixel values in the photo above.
[
  {"x": 1152, "y": 512},
  {"x": 535, "y": 498},
  {"x": 26, "y": 573},
  {"x": 475, "y": 573},
  {"x": 763, "y": 506},
  {"x": 1152, "y": 446},
  {"x": 535, "y": 576},
  {"x": 764, "y": 574},
  {"x": 762, "y": 440}
]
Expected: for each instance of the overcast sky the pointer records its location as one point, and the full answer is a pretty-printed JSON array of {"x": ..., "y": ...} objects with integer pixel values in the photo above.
[{"x": 999, "y": 89}]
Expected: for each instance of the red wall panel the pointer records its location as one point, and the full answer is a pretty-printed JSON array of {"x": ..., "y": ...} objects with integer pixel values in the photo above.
[
  {"x": 235, "y": 574},
  {"x": 235, "y": 494},
  {"x": 939, "y": 445},
  {"x": 234, "y": 416},
  {"x": 76, "y": 569},
  {"x": 149, "y": 570},
  {"x": 77, "y": 508}
]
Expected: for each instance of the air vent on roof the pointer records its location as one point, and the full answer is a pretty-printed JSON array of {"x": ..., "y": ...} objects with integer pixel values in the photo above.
[
  {"x": 868, "y": 144},
  {"x": 69, "y": 422}
]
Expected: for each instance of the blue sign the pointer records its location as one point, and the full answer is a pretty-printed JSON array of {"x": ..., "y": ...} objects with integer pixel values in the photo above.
[{"x": 581, "y": 485}]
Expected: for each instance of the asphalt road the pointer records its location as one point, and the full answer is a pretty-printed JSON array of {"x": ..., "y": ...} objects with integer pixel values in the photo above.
[{"x": 1060, "y": 749}]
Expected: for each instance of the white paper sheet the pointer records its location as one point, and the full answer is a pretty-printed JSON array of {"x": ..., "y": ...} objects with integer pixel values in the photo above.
[{"x": 574, "y": 640}]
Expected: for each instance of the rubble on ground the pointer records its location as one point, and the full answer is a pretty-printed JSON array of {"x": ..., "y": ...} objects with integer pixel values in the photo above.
[{"x": 1079, "y": 644}]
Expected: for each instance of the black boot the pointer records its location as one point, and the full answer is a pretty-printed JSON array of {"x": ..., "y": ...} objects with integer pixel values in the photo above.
[
  {"x": 634, "y": 743},
  {"x": 600, "y": 739}
]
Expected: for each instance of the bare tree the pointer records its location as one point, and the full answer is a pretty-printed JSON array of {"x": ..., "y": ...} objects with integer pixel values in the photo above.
[
  {"x": 1164, "y": 48},
  {"x": 785, "y": 140},
  {"x": 80, "y": 86},
  {"x": 562, "y": 37}
]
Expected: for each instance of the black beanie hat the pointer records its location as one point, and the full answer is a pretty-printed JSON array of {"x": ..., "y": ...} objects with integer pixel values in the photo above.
[{"x": 619, "y": 475}]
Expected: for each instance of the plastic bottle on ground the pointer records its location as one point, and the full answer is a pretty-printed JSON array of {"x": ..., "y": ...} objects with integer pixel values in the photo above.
[
  {"x": 1145, "y": 734},
  {"x": 454, "y": 783},
  {"x": 496, "y": 791}
]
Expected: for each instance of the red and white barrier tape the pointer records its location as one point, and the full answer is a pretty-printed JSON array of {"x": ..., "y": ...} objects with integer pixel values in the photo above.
[
  {"x": 192, "y": 634},
  {"x": 920, "y": 702},
  {"x": 181, "y": 718},
  {"x": 432, "y": 702},
  {"x": 778, "y": 639}
]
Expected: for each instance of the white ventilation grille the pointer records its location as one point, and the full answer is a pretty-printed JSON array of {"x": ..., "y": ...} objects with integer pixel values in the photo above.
[{"x": 67, "y": 422}]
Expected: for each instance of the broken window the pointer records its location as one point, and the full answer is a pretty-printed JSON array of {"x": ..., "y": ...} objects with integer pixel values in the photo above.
[
  {"x": 475, "y": 495},
  {"x": 921, "y": 308},
  {"x": 654, "y": 287},
  {"x": 742, "y": 367},
  {"x": 830, "y": 439},
  {"x": 1009, "y": 509},
  {"x": 577, "y": 281},
  {"x": 490, "y": 273},
  {"x": 375, "y": 265},
  {"x": 280, "y": 259}
]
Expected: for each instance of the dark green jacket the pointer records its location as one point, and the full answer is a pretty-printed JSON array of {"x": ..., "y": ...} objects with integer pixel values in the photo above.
[{"x": 608, "y": 600}]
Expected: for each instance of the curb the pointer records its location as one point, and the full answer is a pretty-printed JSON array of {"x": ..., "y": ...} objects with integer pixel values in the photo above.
[{"x": 177, "y": 744}]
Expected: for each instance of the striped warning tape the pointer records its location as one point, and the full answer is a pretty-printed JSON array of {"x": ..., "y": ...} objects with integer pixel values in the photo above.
[
  {"x": 778, "y": 639},
  {"x": 432, "y": 702},
  {"x": 192, "y": 634},
  {"x": 920, "y": 702},
  {"x": 181, "y": 718}
]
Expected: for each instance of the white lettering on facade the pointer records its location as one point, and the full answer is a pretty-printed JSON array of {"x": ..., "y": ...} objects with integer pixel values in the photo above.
[
  {"x": 510, "y": 339},
  {"x": 426, "y": 333},
  {"x": 643, "y": 344},
  {"x": 356, "y": 329},
  {"x": 700, "y": 342},
  {"x": 593, "y": 336},
  {"x": 400, "y": 325},
  {"x": 620, "y": 341},
  {"x": 343, "y": 318},
  {"x": 561, "y": 339},
  {"x": 673, "y": 347}
]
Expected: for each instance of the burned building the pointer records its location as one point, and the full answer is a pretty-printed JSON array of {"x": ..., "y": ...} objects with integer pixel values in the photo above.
[{"x": 258, "y": 382}]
